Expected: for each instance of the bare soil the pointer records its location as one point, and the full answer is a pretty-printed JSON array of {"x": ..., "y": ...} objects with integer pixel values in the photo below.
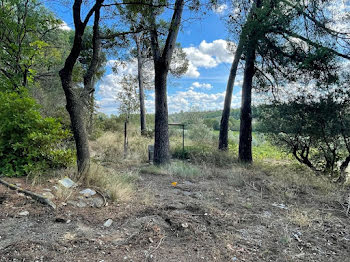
[{"x": 209, "y": 218}]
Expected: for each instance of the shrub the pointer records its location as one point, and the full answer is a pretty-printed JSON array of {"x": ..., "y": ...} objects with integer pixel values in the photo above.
[
  {"x": 29, "y": 142},
  {"x": 316, "y": 132}
]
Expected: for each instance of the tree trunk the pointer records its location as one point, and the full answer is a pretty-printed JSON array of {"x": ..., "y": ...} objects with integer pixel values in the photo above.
[
  {"x": 162, "y": 62},
  {"x": 223, "y": 136},
  {"x": 344, "y": 165},
  {"x": 245, "y": 134},
  {"x": 126, "y": 143},
  {"x": 75, "y": 109},
  {"x": 75, "y": 101},
  {"x": 141, "y": 89},
  {"x": 161, "y": 136}
]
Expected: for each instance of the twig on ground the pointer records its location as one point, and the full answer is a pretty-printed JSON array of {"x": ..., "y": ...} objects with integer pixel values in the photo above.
[
  {"x": 155, "y": 249},
  {"x": 33, "y": 195}
]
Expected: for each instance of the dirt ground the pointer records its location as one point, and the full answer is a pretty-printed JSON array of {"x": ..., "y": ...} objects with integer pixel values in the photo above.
[{"x": 209, "y": 218}]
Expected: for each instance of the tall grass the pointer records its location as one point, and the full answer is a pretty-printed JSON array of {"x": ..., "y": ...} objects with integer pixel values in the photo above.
[
  {"x": 118, "y": 185},
  {"x": 110, "y": 148}
]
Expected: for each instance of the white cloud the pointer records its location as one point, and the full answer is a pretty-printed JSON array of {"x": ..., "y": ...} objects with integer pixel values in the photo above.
[
  {"x": 198, "y": 85},
  {"x": 64, "y": 26},
  {"x": 109, "y": 86},
  {"x": 192, "y": 99},
  {"x": 208, "y": 55},
  {"x": 219, "y": 9}
]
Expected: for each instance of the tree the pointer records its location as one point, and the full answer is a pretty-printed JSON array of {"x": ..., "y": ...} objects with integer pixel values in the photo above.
[
  {"x": 128, "y": 104},
  {"x": 24, "y": 31},
  {"x": 162, "y": 60},
  {"x": 75, "y": 101},
  {"x": 313, "y": 128},
  {"x": 142, "y": 51},
  {"x": 281, "y": 38}
]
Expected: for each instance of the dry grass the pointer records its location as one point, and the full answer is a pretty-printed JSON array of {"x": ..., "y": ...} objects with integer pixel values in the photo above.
[
  {"x": 301, "y": 218},
  {"x": 110, "y": 148},
  {"x": 119, "y": 186},
  {"x": 175, "y": 168}
]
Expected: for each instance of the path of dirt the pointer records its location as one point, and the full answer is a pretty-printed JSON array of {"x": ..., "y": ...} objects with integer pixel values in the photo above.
[{"x": 199, "y": 219}]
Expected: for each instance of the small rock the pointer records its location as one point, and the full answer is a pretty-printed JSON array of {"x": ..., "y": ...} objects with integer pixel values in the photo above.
[
  {"x": 266, "y": 214},
  {"x": 21, "y": 194},
  {"x": 97, "y": 202},
  {"x": 63, "y": 203},
  {"x": 108, "y": 223},
  {"x": 88, "y": 192},
  {"x": 198, "y": 195},
  {"x": 48, "y": 195},
  {"x": 281, "y": 206},
  {"x": 188, "y": 183},
  {"x": 186, "y": 193},
  {"x": 67, "y": 182},
  {"x": 24, "y": 213},
  {"x": 81, "y": 204},
  {"x": 184, "y": 225}
]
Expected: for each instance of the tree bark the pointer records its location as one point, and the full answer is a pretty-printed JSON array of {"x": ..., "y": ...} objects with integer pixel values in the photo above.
[
  {"x": 126, "y": 142},
  {"x": 141, "y": 89},
  {"x": 161, "y": 136},
  {"x": 161, "y": 66},
  {"x": 245, "y": 134},
  {"x": 223, "y": 136}
]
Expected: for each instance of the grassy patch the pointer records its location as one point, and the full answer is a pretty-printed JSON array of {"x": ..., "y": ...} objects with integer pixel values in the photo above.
[
  {"x": 154, "y": 170},
  {"x": 119, "y": 186},
  {"x": 175, "y": 168},
  {"x": 183, "y": 169},
  {"x": 110, "y": 148}
]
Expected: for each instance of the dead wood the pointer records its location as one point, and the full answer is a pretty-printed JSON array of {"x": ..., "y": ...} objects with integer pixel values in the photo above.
[{"x": 33, "y": 195}]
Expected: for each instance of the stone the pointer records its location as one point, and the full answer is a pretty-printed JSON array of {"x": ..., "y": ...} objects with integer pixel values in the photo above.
[
  {"x": 97, "y": 202},
  {"x": 81, "y": 204},
  {"x": 24, "y": 213},
  {"x": 108, "y": 223},
  {"x": 186, "y": 193},
  {"x": 88, "y": 192},
  {"x": 281, "y": 206},
  {"x": 184, "y": 225},
  {"x": 188, "y": 183},
  {"x": 67, "y": 182}
]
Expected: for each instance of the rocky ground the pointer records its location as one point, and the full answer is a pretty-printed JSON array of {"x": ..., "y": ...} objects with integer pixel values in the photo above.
[{"x": 230, "y": 215}]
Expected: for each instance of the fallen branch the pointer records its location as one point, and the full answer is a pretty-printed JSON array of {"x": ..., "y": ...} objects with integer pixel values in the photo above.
[{"x": 33, "y": 195}]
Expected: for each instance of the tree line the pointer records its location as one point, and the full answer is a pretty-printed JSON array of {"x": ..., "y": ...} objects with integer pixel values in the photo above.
[{"x": 281, "y": 43}]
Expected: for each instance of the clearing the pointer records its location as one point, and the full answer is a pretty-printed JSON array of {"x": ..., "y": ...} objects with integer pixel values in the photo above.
[{"x": 217, "y": 214}]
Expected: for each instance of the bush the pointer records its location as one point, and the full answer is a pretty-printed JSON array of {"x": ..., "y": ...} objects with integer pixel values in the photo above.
[
  {"x": 29, "y": 142},
  {"x": 316, "y": 132}
]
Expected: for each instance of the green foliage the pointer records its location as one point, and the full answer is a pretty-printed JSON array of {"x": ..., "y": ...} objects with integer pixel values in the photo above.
[
  {"x": 315, "y": 131},
  {"x": 29, "y": 142},
  {"x": 24, "y": 28}
]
